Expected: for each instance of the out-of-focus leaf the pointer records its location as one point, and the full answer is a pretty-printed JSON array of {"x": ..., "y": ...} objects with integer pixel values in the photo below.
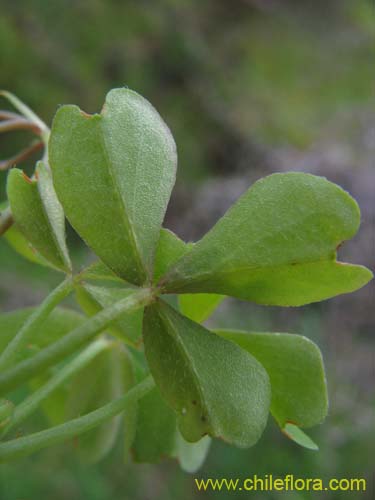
[
  {"x": 54, "y": 406},
  {"x": 201, "y": 376},
  {"x": 199, "y": 306},
  {"x": 59, "y": 322},
  {"x": 156, "y": 429},
  {"x": 298, "y": 436},
  {"x": 157, "y": 436},
  {"x": 169, "y": 250},
  {"x": 191, "y": 455},
  {"x": 276, "y": 245},
  {"x": 6, "y": 412},
  {"x": 295, "y": 367},
  {"x": 114, "y": 173},
  {"x": 108, "y": 376},
  {"x": 39, "y": 215},
  {"x": 94, "y": 298}
]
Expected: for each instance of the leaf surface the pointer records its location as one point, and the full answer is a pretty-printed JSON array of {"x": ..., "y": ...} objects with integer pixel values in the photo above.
[
  {"x": 276, "y": 245},
  {"x": 114, "y": 173},
  {"x": 169, "y": 250},
  {"x": 156, "y": 429},
  {"x": 94, "y": 298},
  {"x": 107, "y": 377},
  {"x": 297, "y": 435},
  {"x": 39, "y": 214},
  {"x": 23, "y": 247},
  {"x": 214, "y": 386},
  {"x": 199, "y": 306},
  {"x": 158, "y": 437},
  {"x": 296, "y": 371},
  {"x": 58, "y": 323}
]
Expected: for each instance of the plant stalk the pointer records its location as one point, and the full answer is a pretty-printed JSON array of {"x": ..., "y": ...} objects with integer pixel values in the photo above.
[
  {"x": 31, "y": 403},
  {"x": 34, "y": 321},
  {"x": 73, "y": 340},
  {"x": 6, "y": 220},
  {"x": 29, "y": 444}
]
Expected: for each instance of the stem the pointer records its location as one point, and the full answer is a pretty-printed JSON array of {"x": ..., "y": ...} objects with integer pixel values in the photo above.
[
  {"x": 27, "y": 113},
  {"x": 73, "y": 340},
  {"x": 35, "y": 320},
  {"x": 19, "y": 124},
  {"x": 28, "y": 444},
  {"x": 6, "y": 220},
  {"x": 30, "y": 404},
  {"x": 21, "y": 156},
  {"x": 8, "y": 115}
]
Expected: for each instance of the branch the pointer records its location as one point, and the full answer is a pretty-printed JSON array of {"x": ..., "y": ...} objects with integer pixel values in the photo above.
[
  {"x": 22, "y": 156},
  {"x": 19, "y": 124}
]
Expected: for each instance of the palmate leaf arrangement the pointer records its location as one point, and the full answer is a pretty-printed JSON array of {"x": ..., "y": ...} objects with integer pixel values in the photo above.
[{"x": 138, "y": 365}]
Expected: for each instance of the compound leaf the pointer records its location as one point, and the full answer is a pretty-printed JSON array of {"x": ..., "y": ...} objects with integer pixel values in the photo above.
[
  {"x": 276, "y": 245},
  {"x": 114, "y": 173},
  {"x": 296, "y": 371},
  {"x": 202, "y": 377},
  {"x": 39, "y": 214}
]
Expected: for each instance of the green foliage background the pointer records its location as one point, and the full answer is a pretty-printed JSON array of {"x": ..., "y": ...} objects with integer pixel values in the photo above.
[{"x": 236, "y": 81}]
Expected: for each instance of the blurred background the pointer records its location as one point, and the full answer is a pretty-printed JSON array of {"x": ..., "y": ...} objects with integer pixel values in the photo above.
[{"x": 248, "y": 87}]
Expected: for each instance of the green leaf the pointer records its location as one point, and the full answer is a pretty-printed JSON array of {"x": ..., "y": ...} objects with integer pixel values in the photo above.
[
  {"x": 39, "y": 215},
  {"x": 107, "y": 377},
  {"x": 156, "y": 429},
  {"x": 6, "y": 412},
  {"x": 113, "y": 174},
  {"x": 94, "y": 298},
  {"x": 199, "y": 306},
  {"x": 54, "y": 406},
  {"x": 157, "y": 436},
  {"x": 191, "y": 455},
  {"x": 98, "y": 271},
  {"x": 276, "y": 245},
  {"x": 296, "y": 371},
  {"x": 201, "y": 376},
  {"x": 21, "y": 245},
  {"x": 58, "y": 323},
  {"x": 298, "y": 436},
  {"x": 170, "y": 248}
]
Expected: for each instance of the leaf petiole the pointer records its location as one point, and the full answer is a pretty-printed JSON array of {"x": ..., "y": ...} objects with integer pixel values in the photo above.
[
  {"x": 74, "y": 340},
  {"x": 34, "y": 442},
  {"x": 34, "y": 321},
  {"x": 30, "y": 404}
]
